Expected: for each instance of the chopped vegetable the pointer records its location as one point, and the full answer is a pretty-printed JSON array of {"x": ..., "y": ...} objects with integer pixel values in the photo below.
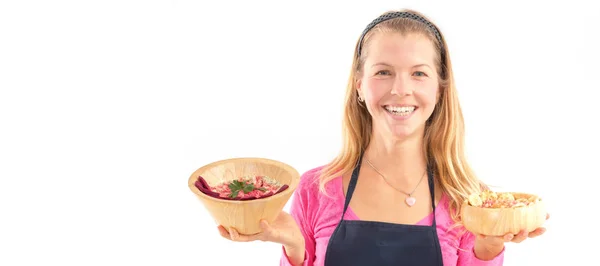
[
  {"x": 490, "y": 199},
  {"x": 244, "y": 188}
]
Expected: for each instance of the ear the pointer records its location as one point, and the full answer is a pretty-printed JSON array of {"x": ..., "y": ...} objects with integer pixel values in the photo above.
[{"x": 359, "y": 87}]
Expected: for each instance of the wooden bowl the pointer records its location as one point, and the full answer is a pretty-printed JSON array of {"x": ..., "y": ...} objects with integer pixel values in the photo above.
[
  {"x": 501, "y": 221},
  {"x": 245, "y": 216}
]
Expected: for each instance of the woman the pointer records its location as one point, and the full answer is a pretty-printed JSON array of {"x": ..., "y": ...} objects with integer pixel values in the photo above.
[{"x": 403, "y": 122}]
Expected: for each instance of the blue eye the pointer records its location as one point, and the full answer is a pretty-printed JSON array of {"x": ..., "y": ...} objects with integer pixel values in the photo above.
[
  {"x": 382, "y": 72},
  {"x": 420, "y": 74}
]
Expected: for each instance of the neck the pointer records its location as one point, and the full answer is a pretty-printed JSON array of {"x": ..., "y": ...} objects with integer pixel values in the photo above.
[{"x": 402, "y": 161}]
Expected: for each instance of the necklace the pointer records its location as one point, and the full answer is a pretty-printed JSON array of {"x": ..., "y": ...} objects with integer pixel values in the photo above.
[{"x": 410, "y": 200}]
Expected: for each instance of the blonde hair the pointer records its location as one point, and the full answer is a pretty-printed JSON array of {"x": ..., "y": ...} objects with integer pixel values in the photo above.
[{"x": 444, "y": 131}]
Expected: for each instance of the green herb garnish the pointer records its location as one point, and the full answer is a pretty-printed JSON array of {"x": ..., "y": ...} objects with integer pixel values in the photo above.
[{"x": 237, "y": 186}]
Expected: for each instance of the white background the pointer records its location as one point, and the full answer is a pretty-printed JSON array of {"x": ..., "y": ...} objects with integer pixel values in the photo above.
[{"x": 107, "y": 107}]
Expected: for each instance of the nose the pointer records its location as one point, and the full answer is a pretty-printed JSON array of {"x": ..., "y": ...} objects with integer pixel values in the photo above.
[{"x": 401, "y": 86}]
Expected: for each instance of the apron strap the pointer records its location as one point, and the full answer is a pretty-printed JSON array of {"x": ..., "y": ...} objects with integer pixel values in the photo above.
[
  {"x": 431, "y": 191},
  {"x": 352, "y": 185}
]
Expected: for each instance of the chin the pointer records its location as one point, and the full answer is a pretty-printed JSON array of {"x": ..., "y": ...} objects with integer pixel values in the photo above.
[{"x": 401, "y": 132}]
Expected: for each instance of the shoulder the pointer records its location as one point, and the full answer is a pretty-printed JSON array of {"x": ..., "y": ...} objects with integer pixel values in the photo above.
[
  {"x": 309, "y": 186},
  {"x": 309, "y": 180}
]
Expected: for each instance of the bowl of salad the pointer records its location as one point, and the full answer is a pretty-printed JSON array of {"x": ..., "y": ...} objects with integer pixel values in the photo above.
[
  {"x": 499, "y": 213},
  {"x": 239, "y": 192}
]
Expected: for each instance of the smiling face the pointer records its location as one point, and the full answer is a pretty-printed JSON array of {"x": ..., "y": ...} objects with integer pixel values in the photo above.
[{"x": 399, "y": 83}]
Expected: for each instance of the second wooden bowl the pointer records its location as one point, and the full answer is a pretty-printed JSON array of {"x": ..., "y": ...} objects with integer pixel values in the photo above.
[{"x": 501, "y": 221}]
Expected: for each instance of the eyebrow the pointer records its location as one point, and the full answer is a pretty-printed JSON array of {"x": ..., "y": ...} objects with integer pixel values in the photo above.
[{"x": 386, "y": 64}]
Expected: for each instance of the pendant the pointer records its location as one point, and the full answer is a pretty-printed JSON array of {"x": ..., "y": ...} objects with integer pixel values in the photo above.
[{"x": 410, "y": 201}]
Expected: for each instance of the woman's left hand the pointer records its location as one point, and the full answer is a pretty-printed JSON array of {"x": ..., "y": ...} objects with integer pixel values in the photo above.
[{"x": 488, "y": 247}]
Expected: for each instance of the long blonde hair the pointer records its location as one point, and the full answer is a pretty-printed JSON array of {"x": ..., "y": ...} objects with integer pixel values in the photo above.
[{"x": 444, "y": 131}]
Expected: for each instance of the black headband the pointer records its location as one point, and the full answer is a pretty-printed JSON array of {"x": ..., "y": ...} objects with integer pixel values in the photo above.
[{"x": 392, "y": 15}]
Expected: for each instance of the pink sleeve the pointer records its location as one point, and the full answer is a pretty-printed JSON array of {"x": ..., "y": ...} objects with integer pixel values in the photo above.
[
  {"x": 466, "y": 253},
  {"x": 298, "y": 210}
]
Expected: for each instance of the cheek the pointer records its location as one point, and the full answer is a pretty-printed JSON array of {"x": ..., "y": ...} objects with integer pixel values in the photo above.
[
  {"x": 427, "y": 97},
  {"x": 375, "y": 90}
]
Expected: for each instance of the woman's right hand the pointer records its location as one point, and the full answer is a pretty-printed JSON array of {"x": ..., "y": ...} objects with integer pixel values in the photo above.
[{"x": 283, "y": 230}]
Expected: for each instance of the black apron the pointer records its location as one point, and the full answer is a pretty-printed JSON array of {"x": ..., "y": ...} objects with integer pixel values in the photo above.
[{"x": 370, "y": 243}]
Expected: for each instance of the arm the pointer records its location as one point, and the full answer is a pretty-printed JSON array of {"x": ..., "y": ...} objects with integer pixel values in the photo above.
[
  {"x": 303, "y": 253},
  {"x": 471, "y": 254}
]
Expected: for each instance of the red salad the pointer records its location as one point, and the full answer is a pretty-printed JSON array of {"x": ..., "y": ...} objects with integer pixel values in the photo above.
[{"x": 244, "y": 188}]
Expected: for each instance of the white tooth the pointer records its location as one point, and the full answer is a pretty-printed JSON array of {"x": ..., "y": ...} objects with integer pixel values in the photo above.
[
  {"x": 404, "y": 110},
  {"x": 401, "y": 109}
]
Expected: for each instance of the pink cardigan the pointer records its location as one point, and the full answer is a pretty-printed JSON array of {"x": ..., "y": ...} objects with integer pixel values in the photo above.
[{"x": 318, "y": 215}]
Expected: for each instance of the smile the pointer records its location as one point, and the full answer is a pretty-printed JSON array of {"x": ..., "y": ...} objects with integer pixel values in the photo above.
[{"x": 400, "y": 110}]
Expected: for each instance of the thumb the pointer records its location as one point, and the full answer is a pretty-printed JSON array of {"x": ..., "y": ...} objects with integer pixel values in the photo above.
[
  {"x": 264, "y": 225},
  {"x": 265, "y": 235}
]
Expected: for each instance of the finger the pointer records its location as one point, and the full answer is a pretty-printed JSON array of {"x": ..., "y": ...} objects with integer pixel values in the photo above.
[
  {"x": 264, "y": 225},
  {"x": 236, "y": 236},
  {"x": 223, "y": 232},
  {"x": 537, "y": 232},
  {"x": 495, "y": 240},
  {"x": 266, "y": 231},
  {"x": 508, "y": 237},
  {"x": 520, "y": 237}
]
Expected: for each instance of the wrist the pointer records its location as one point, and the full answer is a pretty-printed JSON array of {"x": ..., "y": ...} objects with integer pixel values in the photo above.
[
  {"x": 295, "y": 252},
  {"x": 485, "y": 251},
  {"x": 295, "y": 244}
]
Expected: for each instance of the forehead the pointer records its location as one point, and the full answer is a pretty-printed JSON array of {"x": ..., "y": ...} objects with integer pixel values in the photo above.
[{"x": 400, "y": 49}]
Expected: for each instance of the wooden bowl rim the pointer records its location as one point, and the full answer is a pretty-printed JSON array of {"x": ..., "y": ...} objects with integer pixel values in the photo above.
[
  {"x": 467, "y": 205},
  {"x": 288, "y": 168}
]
